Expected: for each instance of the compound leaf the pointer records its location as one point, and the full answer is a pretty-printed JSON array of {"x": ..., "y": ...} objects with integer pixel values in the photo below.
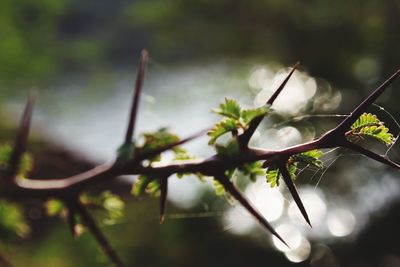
[
  {"x": 221, "y": 128},
  {"x": 230, "y": 108},
  {"x": 248, "y": 115}
]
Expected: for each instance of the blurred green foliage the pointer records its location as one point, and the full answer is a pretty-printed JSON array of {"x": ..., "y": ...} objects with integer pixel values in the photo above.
[
  {"x": 29, "y": 41},
  {"x": 350, "y": 43},
  {"x": 330, "y": 38}
]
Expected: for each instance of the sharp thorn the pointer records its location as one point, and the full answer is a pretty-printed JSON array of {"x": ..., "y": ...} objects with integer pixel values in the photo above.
[
  {"x": 283, "y": 84},
  {"x": 22, "y": 136},
  {"x": 245, "y": 137},
  {"x": 230, "y": 188},
  {"x": 293, "y": 191},
  {"x": 91, "y": 225},
  {"x": 163, "y": 197},
  {"x": 144, "y": 57},
  {"x": 356, "y": 113},
  {"x": 370, "y": 154}
]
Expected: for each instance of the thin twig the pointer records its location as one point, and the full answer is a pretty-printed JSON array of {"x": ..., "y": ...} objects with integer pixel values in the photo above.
[
  {"x": 370, "y": 154},
  {"x": 90, "y": 223},
  {"x": 77, "y": 183}
]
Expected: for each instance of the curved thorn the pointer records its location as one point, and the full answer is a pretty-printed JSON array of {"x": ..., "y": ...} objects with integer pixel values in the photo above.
[
  {"x": 293, "y": 191},
  {"x": 230, "y": 187},
  {"x": 90, "y": 223},
  {"x": 370, "y": 154},
  {"x": 245, "y": 137},
  {"x": 144, "y": 56},
  {"x": 163, "y": 197},
  {"x": 347, "y": 122},
  {"x": 22, "y": 137}
]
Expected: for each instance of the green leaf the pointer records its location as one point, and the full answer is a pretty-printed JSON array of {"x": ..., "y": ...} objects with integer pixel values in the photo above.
[
  {"x": 153, "y": 188},
  {"x": 146, "y": 184},
  {"x": 292, "y": 169},
  {"x": 182, "y": 155},
  {"x": 159, "y": 138},
  {"x": 380, "y": 133},
  {"x": 366, "y": 119},
  {"x": 54, "y": 207},
  {"x": 113, "y": 205},
  {"x": 139, "y": 187},
  {"x": 5, "y": 155},
  {"x": 219, "y": 188},
  {"x": 273, "y": 175},
  {"x": 12, "y": 222},
  {"x": 110, "y": 205},
  {"x": 253, "y": 169},
  {"x": 153, "y": 140},
  {"x": 248, "y": 115},
  {"x": 230, "y": 109},
  {"x": 221, "y": 128},
  {"x": 309, "y": 157},
  {"x": 369, "y": 126}
]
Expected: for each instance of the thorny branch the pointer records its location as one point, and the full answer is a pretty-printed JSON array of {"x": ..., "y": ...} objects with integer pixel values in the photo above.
[{"x": 68, "y": 189}]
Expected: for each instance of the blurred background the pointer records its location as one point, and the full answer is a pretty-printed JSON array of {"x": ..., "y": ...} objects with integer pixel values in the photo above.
[{"x": 81, "y": 58}]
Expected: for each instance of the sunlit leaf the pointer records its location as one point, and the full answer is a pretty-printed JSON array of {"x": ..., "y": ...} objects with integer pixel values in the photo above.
[
  {"x": 54, "y": 207},
  {"x": 366, "y": 119},
  {"x": 159, "y": 138},
  {"x": 249, "y": 114},
  {"x": 113, "y": 205},
  {"x": 309, "y": 157},
  {"x": 110, "y": 205},
  {"x": 292, "y": 169},
  {"x": 139, "y": 187},
  {"x": 369, "y": 126},
  {"x": 273, "y": 175},
  {"x": 253, "y": 170},
  {"x": 230, "y": 108},
  {"x": 219, "y": 188},
  {"x": 221, "y": 128}
]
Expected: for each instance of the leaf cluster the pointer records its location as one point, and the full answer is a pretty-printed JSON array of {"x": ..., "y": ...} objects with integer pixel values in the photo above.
[
  {"x": 109, "y": 205},
  {"x": 369, "y": 126},
  {"x": 150, "y": 184},
  {"x": 235, "y": 119},
  {"x": 13, "y": 224},
  {"x": 308, "y": 158}
]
